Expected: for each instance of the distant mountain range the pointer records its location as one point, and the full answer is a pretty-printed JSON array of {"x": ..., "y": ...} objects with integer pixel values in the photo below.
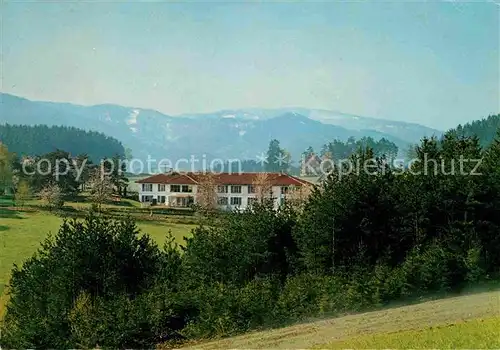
[{"x": 227, "y": 134}]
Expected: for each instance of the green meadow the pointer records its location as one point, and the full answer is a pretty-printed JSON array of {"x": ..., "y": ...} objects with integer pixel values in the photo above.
[{"x": 474, "y": 334}]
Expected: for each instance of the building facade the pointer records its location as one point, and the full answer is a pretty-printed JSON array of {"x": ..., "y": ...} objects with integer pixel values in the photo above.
[{"x": 231, "y": 191}]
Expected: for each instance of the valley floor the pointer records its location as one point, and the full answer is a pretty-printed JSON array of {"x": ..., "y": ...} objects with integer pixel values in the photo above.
[{"x": 376, "y": 329}]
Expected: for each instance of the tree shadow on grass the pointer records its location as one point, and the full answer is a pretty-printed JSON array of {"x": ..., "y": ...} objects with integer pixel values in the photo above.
[
  {"x": 3, "y": 228},
  {"x": 121, "y": 204},
  {"x": 9, "y": 214}
]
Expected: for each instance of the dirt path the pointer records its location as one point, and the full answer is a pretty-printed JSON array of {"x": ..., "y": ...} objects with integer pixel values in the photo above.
[{"x": 407, "y": 317}]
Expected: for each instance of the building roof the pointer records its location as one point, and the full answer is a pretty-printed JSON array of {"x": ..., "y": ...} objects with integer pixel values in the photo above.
[
  {"x": 191, "y": 178},
  {"x": 171, "y": 178}
]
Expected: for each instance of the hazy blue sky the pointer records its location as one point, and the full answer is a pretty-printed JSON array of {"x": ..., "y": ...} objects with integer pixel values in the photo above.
[{"x": 432, "y": 63}]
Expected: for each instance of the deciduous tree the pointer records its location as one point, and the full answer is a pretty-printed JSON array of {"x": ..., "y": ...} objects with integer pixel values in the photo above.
[
  {"x": 101, "y": 188},
  {"x": 52, "y": 195},
  {"x": 5, "y": 169},
  {"x": 116, "y": 168},
  {"x": 206, "y": 195},
  {"x": 297, "y": 196},
  {"x": 263, "y": 187},
  {"x": 22, "y": 192}
]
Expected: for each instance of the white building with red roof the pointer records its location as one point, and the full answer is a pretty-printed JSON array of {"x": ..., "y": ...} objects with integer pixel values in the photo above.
[{"x": 233, "y": 190}]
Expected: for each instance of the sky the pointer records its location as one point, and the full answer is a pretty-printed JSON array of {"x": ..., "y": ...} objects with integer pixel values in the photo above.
[{"x": 434, "y": 63}]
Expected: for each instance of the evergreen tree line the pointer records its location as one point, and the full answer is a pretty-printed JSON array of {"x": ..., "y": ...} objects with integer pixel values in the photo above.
[
  {"x": 361, "y": 240},
  {"x": 278, "y": 159},
  {"x": 343, "y": 150},
  {"x": 485, "y": 129},
  {"x": 27, "y": 140}
]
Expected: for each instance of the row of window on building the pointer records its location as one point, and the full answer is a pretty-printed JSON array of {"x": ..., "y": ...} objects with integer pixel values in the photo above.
[
  {"x": 230, "y": 200},
  {"x": 173, "y": 188},
  {"x": 147, "y": 199},
  {"x": 220, "y": 200},
  {"x": 236, "y": 201},
  {"x": 189, "y": 188},
  {"x": 178, "y": 201},
  {"x": 250, "y": 189}
]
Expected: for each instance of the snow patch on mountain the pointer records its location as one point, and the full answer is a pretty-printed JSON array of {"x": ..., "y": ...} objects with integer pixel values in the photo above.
[{"x": 132, "y": 118}]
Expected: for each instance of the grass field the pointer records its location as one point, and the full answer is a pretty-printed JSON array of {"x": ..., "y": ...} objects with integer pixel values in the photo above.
[
  {"x": 474, "y": 334},
  {"x": 22, "y": 232},
  {"x": 399, "y": 327}
]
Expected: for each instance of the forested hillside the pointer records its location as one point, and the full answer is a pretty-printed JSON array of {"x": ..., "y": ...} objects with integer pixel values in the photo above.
[
  {"x": 485, "y": 129},
  {"x": 40, "y": 139}
]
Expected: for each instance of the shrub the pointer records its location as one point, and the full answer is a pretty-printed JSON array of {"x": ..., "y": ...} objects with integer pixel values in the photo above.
[
  {"x": 256, "y": 303},
  {"x": 225, "y": 310},
  {"x": 426, "y": 269},
  {"x": 104, "y": 266},
  {"x": 363, "y": 288},
  {"x": 215, "y": 305},
  {"x": 384, "y": 283},
  {"x": 124, "y": 322},
  {"x": 238, "y": 247},
  {"x": 474, "y": 264},
  {"x": 309, "y": 295}
]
